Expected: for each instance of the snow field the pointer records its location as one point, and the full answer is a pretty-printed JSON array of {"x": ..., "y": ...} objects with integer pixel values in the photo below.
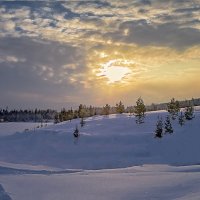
[{"x": 114, "y": 158}]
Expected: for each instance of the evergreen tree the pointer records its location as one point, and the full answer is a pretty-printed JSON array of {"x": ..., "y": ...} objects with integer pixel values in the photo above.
[
  {"x": 91, "y": 111},
  {"x": 70, "y": 114},
  {"x": 131, "y": 110},
  {"x": 106, "y": 110},
  {"x": 56, "y": 119},
  {"x": 189, "y": 112},
  {"x": 120, "y": 108},
  {"x": 173, "y": 108},
  {"x": 61, "y": 117},
  {"x": 75, "y": 115},
  {"x": 168, "y": 126},
  {"x": 159, "y": 129},
  {"x": 139, "y": 111},
  {"x": 82, "y": 122},
  {"x": 81, "y": 111},
  {"x": 181, "y": 119},
  {"x": 76, "y": 132}
]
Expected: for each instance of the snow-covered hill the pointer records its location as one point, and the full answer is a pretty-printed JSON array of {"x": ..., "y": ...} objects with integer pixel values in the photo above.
[
  {"x": 114, "y": 158},
  {"x": 106, "y": 142}
]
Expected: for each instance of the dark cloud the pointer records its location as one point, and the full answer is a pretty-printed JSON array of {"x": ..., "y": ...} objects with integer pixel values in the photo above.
[
  {"x": 32, "y": 66},
  {"x": 143, "y": 2},
  {"x": 40, "y": 51},
  {"x": 169, "y": 34},
  {"x": 38, "y": 7},
  {"x": 188, "y": 10},
  {"x": 97, "y": 4}
]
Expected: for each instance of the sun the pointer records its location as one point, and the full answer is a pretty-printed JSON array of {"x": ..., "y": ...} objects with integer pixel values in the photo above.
[
  {"x": 114, "y": 70},
  {"x": 116, "y": 73}
]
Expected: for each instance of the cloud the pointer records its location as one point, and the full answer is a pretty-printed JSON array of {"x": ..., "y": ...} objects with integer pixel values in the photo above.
[
  {"x": 86, "y": 22},
  {"x": 7, "y": 26},
  {"x": 142, "y": 32},
  {"x": 51, "y": 51},
  {"x": 12, "y": 59},
  {"x": 37, "y": 66}
]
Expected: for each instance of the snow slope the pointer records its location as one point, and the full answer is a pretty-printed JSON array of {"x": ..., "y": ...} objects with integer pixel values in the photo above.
[
  {"x": 114, "y": 158},
  {"x": 105, "y": 142}
]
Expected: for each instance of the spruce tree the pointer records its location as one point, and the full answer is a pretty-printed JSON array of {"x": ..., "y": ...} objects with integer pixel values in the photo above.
[
  {"x": 91, "y": 111},
  {"x": 181, "y": 119},
  {"x": 173, "y": 108},
  {"x": 81, "y": 111},
  {"x": 120, "y": 108},
  {"x": 82, "y": 122},
  {"x": 139, "y": 111},
  {"x": 168, "y": 126},
  {"x": 106, "y": 109},
  {"x": 76, "y": 132},
  {"x": 189, "y": 112},
  {"x": 159, "y": 129},
  {"x": 56, "y": 119}
]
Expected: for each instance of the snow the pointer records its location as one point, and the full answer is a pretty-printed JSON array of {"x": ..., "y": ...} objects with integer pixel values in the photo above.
[
  {"x": 3, "y": 194},
  {"x": 114, "y": 158},
  {"x": 141, "y": 183},
  {"x": 9, "y": 128}
]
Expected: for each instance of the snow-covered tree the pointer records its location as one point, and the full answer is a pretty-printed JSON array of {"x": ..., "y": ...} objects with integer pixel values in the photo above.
[
  {"x": 106, "y": 110},
  {"x": 168, "y": 125},
  {"x": 173, "y": 108},
  {"x": 139, "y": 111},
  {"x": 181, "y": 119},
  {"x": 159, "y": 128},
  {"x": 189, "y": 112},
  {"x": 120, "y": 108}
]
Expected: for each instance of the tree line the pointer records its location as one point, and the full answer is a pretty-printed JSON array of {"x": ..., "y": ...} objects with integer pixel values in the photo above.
[
  {"x": 84, "y": 111},
  {"x": 36, "y": 115}
]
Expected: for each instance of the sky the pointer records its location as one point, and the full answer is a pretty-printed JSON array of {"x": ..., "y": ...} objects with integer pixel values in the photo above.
[{"x": 56, "y": 54}]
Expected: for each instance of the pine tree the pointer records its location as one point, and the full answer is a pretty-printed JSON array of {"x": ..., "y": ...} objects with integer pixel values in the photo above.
[
  {"x": 189, "y": 112},
  {"x": 173, "y": 108},
  {"x": 76, "y": 132},
  {"x": 82, "y": 122},
  {"x": 91, "y": 111},
  {"x": 106, "y": 109},
  {"x": 131, "y": 110},
  {"x": 139, "y": 111},
  {"x": 181, "y": 119},
  {"x": 60, "y": 117},
  {"x": 120, "y": 108},
  {"x": 56, "y": 119},
  {"x": 70, "y": 114},
  {"x": 168, "y": 126},
  {"x": 159, "y": 129},
  {"x": 81, "y": 111}
]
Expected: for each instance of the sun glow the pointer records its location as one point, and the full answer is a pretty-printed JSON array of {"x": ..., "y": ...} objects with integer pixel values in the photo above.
[{"x": 115, "y": 70}]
